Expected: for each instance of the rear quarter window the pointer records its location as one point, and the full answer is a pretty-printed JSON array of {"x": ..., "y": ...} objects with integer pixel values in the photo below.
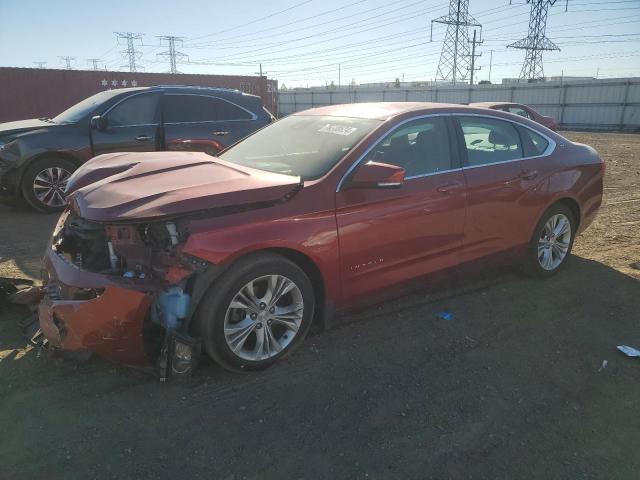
[{"x": 533, "y": 143}]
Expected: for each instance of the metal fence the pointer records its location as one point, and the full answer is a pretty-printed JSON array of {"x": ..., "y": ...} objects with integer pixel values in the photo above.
[{"x": 611, "y": 104}]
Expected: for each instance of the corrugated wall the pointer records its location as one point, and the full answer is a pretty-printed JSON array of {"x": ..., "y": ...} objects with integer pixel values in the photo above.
[
  {"x": 612, "y": 104},
  {"x": 31, "y": 93}
]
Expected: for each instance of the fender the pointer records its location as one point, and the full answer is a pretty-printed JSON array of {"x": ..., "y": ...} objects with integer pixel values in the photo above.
[{"x": 315, "y": 237}]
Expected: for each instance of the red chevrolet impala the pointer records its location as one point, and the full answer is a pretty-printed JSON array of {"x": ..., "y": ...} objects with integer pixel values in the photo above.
[{"x": 159, "y": 253}]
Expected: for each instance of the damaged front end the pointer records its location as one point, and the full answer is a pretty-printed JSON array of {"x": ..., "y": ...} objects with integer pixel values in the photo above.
[{"x": 125, "y": 292}]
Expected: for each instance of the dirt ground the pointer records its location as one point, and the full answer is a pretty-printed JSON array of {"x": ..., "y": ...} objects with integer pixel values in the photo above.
[{"x": 513, "y": 387}]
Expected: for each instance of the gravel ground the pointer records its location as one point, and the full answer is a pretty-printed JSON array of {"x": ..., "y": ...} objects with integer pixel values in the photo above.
[{"x": 514, "y": 387}]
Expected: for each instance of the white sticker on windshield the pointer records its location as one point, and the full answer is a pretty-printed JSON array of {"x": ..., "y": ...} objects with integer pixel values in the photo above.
[{"x": 338, "y": 129}]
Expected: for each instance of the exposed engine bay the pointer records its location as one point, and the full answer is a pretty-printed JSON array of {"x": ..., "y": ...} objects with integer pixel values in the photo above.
[{"x": 144, "y": 258}]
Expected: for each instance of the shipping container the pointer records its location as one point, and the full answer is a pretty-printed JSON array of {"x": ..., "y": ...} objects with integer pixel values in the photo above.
[{"x": 34, "y": 93}]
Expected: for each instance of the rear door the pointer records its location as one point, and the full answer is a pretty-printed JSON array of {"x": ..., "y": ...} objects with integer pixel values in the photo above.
[
  {"x": 504, "y": 163},
  {"x": 391, "y": 235},
  {"x": 204, "y": 122},
  {"x": 132, "y": 125}
]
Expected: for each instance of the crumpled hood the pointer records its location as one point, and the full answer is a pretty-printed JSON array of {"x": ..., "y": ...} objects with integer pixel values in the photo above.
[
  {"x": 20, "y": 126},
  {"x": 128, "y": 186}
]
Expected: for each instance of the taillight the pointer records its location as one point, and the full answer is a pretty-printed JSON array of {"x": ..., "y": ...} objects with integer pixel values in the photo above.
[{"x": 603, "y": 166}]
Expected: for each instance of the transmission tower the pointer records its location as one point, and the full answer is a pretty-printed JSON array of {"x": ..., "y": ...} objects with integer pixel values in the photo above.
[
  {"x": 535, "y": 42},
  {"x": 93, "y": 62},
  {"x": 455, "y": 62},
  {"x": 40, "y": 64},
  {"x": 67, "y": 60},
  {"x": 130, "y": 53},
  {"x": 172, "y": 54}
]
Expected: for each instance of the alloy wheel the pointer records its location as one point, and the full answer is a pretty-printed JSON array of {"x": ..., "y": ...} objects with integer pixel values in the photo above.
[
  {"x": 49, "y": 186},
  {"x": 553, "y": 244},
  {"x": 263, "y": 317}
]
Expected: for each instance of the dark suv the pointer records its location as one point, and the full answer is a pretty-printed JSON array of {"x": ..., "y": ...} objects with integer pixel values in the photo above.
[{"x": 38, "y": 156}]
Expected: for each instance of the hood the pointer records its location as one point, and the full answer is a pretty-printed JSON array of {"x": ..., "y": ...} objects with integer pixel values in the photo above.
[
  {"x": 20, "y": 126},
  {"x": 135, "y": 186}
]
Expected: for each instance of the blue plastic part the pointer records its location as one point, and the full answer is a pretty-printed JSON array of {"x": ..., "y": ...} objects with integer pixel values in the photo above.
[
  {"x": 174, "y": 306},
  {"x": 446, "y": 316}
]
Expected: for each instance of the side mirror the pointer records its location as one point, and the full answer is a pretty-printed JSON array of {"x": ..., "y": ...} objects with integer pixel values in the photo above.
[
  {"x": 99, "y": 123},
  {"x": 377, "y": 175}
]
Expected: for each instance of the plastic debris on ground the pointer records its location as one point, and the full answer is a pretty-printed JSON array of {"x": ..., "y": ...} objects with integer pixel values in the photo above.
[
  {"x": 629, "y": 351},
  {"x": 446, "y": 316},
  {"x": 604, "y": 365}
]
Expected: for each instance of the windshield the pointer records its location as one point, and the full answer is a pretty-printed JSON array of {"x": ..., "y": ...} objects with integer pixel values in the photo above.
[
  {"x": 83, "y": 108},
  {"x": 303, "y": 146}
]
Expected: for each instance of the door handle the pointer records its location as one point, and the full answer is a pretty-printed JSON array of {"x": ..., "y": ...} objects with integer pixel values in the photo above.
[
  {"x": 524, "y": 175},
  {"x": 143, "y": 138},
  {"x": 449, "y": 188},
  {"x": 220, "y": 134},
  {"x": 528, "y": 174}
]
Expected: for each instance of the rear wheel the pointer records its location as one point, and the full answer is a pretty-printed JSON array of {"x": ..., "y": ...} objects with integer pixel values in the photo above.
[
  {"x": 44, "y": 182},
  {"x": 256, "y": 313},
  {"x": 552, "y": 241}
]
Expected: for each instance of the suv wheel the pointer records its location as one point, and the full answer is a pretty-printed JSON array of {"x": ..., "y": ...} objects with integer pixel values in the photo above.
[
  {"x": 257, "y": 312},
  {"x": 44, "y": 182}
]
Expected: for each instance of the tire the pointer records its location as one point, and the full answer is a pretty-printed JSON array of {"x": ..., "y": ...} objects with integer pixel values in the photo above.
[
  {"x": 49, "y": 172},
  {"x": 537, "y": 262},
  {"x": 223, "y": 327}
]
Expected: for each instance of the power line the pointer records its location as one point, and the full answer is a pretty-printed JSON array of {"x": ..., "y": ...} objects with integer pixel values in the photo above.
[
  {"x": 254, "y": 21},
  {"x": 130, "y": 53},
  {"x": 172, "y": 54},
  {"x": 280, "y": 26},
  {"x": 454, "y": 59},
  {"x": 40, "y": 64}
]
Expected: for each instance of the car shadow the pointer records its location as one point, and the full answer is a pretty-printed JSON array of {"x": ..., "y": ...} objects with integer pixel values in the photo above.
[{"x": 585, "y": 281}]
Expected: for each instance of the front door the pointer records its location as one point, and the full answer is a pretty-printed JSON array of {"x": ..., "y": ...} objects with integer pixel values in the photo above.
[
  {"x": 132, "y": 125},
  {"x": 391, "y": 235}
]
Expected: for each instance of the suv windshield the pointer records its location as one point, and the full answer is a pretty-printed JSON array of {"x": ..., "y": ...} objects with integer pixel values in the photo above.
[
  {"x": 86, "y": 106},
  {"x": 303, "y": 146}
]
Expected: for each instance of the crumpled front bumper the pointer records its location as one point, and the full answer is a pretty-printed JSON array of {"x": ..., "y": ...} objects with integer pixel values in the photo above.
[{"x": 109, "y": 325}]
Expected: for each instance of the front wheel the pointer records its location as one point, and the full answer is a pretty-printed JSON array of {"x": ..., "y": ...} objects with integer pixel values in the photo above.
[
  {"x": 257, "y": 312},
  {"x": 44, "y": 182},
  {"x": 551, "y": 243}
]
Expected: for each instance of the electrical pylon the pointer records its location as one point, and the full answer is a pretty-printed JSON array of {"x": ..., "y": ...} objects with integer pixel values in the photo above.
[
  {"x": 455, "y": 60},
  {"x": 173, "y": 55},
  {"x": 536, "y": 41},
  {"x": 130, "y": 53}
]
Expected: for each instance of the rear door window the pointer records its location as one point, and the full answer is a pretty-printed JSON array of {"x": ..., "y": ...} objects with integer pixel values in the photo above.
[
  {"x": 490, "y": 141},
  {"x": 201, "y": 108},
  {"x": 135, "y": 110}
]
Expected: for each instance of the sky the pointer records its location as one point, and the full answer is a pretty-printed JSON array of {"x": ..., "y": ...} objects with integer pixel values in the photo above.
[{"x": 315, "y": 42}]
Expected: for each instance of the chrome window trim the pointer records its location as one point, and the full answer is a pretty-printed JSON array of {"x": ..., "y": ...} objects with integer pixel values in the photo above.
[
  {"x": 548, "y": 151},
  {"x": 136, "y": 125},
  {"x": 380, "y": 138},
  {"x": 176, "y": 94},
  {"x": 459, "y": 169}
]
